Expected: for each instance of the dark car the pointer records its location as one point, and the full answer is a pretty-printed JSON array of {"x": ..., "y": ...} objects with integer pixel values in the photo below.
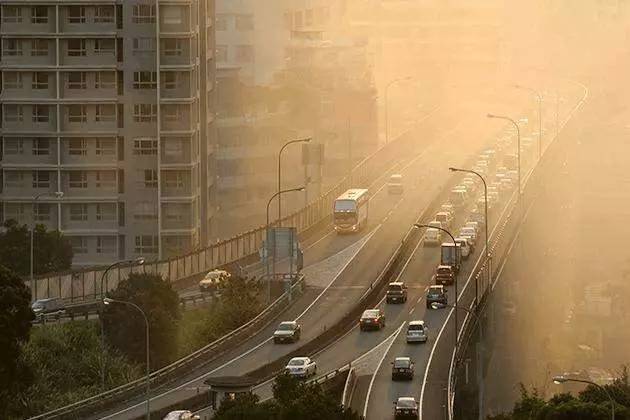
[
  {"x": 405, "y": 408},
  {"x": 396, "y": 293},
  {"x": 444, "y": 274},
  {"x": 287, "y": 332},
  {"x": 372, "y": 319},
  {"x": 48, "y": 307},
  {"x": 436, "y": 294},
  {"x": 402, "y": 368}
]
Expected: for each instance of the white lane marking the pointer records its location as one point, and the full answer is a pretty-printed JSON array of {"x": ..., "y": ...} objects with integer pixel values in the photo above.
[
  {"x": 412, "y": 309},
  {"x": 256, "y": 347},
  {"x": 378, "y": 367}
]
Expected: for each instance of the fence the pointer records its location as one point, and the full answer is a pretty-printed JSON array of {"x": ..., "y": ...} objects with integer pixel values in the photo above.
[{"x": 86, "y": 284}]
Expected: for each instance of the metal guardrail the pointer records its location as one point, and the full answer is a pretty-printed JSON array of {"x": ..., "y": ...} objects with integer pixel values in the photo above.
[
  {"x": 204, "y": 355},
  {"x": 348, "y": 388},
  {"x": 85, "y": 284}
]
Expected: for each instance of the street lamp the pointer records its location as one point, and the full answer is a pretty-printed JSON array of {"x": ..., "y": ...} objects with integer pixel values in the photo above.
[
  {"x": 138, "y": 261},
  {"x": 436, "y": 305},
  {"x": 518, "y": 134},
  {"x": 109, "y": 301},
  {"x": 305, "y": 140},
  {"x": 540, "y": 99},
  {"x": 402, "y": 79},
  {"x": 278, "y": 194},
  {"x": 485, "y": 190},
  {"x": 418, "y": 226},
  {"x": 560, "y": 379},
  {"x": 58, "y": 195}
]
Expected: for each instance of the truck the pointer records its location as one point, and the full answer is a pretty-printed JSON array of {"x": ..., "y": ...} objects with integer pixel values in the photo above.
[{"x": 450, "y": 256}]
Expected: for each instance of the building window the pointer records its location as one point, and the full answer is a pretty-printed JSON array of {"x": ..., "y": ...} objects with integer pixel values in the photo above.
[
  {"x": 41, "y": 147},
  {"x": 76, "y": 80},
  {"x": 76, "y": 14},
  {"x": 172, "y": 15},
  {"x": 42, "y": 212},
  {"x": 77, "y": 113},
  {"x": 13, "y": 113},
  {"x": 172, "y": 113},
  {"x": 104, "y": 14},
  {"x": 14, "y": 179},
  {"x": 145, "y": 146},
  {"x": 105, "y": 113},
  {"x": 79, "y": 244},
  {"x": 12, "y": 80},
  {"x": 146, "y": 244},
  {"x": 144, "y": 112},
  {"x": 150, "y": 178},
  {"x": 105, "y": 179},
  {"x": 174, "y": 149},
  {"x": 143, "y": 13},
  {"x": 12, "y": 47},
  {"x": 76, "y": 47},
  {"x": 78, "y": 179},
  {"x": 105, "y": 147},
  {"x": 145, "y": 210},
  {"x": 41, "y": 113},
  {"x": 14, "y": 212},
  {"x": 104, "y": 46},
  {"x": 222, "y": 53},
  {"x": 77, "y": 147},
  {"x": 221, "y": 23},
  {"x": 244, "y": 53},
  {"x": 40, "y": 80},
  {"x": 144, "y": 80},
  {"x": 105, "y": 245},
  {"x": 39, "y": 47},
  {"x": 41, "y": 179},
  {"x": 106, "y": 212},
  {"x": 173, "y": 47},
  {"x": 13, "y": 146},
  {"x": 79, "y": 212},
  {"x": 174, "y": 179},
  {"x": 105, "y": 80},
  {"x": 11, "y": 14},
  {"x": 143, "y": 45},
  {"x": 39, "y": 14},
  {"x": 171, "y": 80},
  {"x": 308, "y": 17},
  {"x": 244, "y": 23}
]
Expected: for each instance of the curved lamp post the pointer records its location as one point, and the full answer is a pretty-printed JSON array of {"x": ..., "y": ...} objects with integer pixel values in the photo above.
[
  {"x": 284, "y": 146},
  {"x": 518, "y": 134},
  {"x": 560, "y": 379},
  {"x": 108, "y": 301},
  {"x": 540, "y": 100}
]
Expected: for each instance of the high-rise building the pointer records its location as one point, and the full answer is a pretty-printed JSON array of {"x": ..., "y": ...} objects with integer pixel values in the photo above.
[{"x": 111, "y": 103}]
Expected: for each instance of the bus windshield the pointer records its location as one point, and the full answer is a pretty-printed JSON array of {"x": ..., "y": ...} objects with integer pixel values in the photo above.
[{"x": 345, "y": 205}]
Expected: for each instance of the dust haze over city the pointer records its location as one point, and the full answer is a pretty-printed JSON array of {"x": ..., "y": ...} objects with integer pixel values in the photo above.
[{"x": 314, "y": 209}]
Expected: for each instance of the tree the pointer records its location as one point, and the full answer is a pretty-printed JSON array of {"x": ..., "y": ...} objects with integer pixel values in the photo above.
[
  {"x": 53, "y": 252},
  {"x": 15, "y": 324},
  {"x": 124, "y": 327},
  {"x": 293, "y": 399}
]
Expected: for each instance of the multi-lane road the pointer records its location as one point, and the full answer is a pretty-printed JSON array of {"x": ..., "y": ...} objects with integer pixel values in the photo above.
[{"x": 327, "y": 299}]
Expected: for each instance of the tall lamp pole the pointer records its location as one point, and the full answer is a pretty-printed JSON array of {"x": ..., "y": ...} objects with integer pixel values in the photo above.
[
  {"x": 108, "y": 301},
  {"x": 58, "y": 195},
  {"x": 267, "y": 225},
  {"x": 138, "y": 261},
  {"x": 418, "y": 226},
  {"x": 305, "y": 140},
  {"x": 518, "y": 135},
  {"x": 540, "y": 100},
  {"x": 485, "y": 191},
  {"x": 402, "y": 79},
  {"x": 562, "y": 379}
]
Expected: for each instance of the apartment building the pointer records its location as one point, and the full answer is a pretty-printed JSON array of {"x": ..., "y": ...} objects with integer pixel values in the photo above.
[{"x": 112, "y": 104}]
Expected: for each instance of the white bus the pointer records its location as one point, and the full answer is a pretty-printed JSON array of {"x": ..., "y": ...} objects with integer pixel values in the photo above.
[{"x": 350, "y": 210}]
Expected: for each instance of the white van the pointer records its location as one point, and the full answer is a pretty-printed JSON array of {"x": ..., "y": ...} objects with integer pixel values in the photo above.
[
  {"x": 464, "y": 247},
  {"x": 432, "y": 237},
  {"x": 395, "y": 184}
]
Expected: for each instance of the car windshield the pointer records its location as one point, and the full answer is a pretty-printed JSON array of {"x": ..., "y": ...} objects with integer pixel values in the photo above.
[
  {"x": 370, "y": 314},
  {"x": 285, "y": 327},
  {"x": 395, "y": 287},
  {"x": 406, "y": 404},
  {"x": 435, "y": 291},
  {"x": 416, "y": 327},
  {"x": 345, "y": 205},
  {"x": 401, "y": 363},
  {"x": 299, "y": 362}
]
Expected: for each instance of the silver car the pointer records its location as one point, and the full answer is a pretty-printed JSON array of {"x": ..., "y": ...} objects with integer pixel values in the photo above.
[{"x": 417, "y": 332}]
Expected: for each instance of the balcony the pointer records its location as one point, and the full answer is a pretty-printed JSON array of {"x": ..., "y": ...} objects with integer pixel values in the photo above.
[
  {"x": 29, "y": 86},
  {"x": 178, "y": 184},
  {"x": 90, "y": 52},
  {"x": 177, "y": 85},
  {"x": 178, "y": 117},
  {"x": 29, "y": 152},
  {"x": 36, "y": 52},
  {"x": 89, "y": 152},
  {"x": 83, "y": 85},
  {"x": 89, "y": 184},
  {"x": 28, "y": 20},
  {"x": 175, "y": 19},
  {"x": 23, "y": 184},
  {"x": 87, "y": 19},
  {"x": 28, "y": 118},
  {"x": 177, "y": 52},
  {"x": 178, "y": 151},
  {"x": 23, "y": 212},
  {"x": 178, "y": 216},
  {"x": 89, "y": 216},
  {"x": 86, "y": 118}
]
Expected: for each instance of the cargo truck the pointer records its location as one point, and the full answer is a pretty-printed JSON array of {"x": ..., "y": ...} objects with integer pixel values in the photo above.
[{"x": 450, "y": 256}]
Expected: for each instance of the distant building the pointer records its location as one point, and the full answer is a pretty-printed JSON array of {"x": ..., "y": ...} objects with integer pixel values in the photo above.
[{"x": 114, "y": 107}]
